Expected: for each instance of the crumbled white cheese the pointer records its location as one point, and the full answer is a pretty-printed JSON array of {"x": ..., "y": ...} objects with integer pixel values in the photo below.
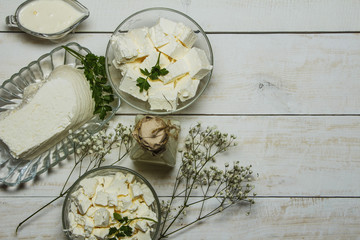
[
  {"x": 125, "y": 49},
  {"x": 174, "y": 49},
  {"x": 186, "y": 87},
  {"x": 101, "y": 198},
  {"x": 141, "y": 225},
  {"x": 157, "y": 36},
  {"x": 147, "y": 195},
  {"x": 164, "y": 98},
  {"x": 136, "y": 190},
  {"x": 176, "y": 70},
  {"x": 82, "y": 202},
  {"x": 167, "y": 26},
  {"x": 185, "y": 35},
  {"x": 101, "y": 217},
  {"x": 101, "y": 233},
  {"x": 89, "y": 185}
]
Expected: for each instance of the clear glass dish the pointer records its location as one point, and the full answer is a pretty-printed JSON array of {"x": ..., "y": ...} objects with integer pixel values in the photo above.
[
  {"x": 13, "y": 21},
  {"x": 147, "y": 18},
  {"x": 15, "y": 171},
  {"x": 110, "y": 171}
]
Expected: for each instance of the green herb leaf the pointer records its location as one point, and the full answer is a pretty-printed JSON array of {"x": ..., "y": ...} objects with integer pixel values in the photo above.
[
  {"x": 120, "y": 234},
  {"x": 95, "y": 73},
  {"x": 143, "y": 84},
  {"x": 126, "y": 229},
  {"x": 163, "y": 72},
  {"x": 145, "y": 72},
  {"x": 112, "y": 230},
  {"x": 117, "y": 217}
]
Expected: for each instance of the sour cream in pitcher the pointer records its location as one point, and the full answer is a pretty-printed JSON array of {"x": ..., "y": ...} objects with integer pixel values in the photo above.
[{"x": 48, "y": 16}]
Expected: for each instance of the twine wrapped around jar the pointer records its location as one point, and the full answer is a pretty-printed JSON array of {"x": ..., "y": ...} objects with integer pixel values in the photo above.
[{"x": 152, "y": 133}]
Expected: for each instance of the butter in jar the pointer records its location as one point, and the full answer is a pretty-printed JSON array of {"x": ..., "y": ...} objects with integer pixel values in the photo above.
[{"x": 156, "y": 140}]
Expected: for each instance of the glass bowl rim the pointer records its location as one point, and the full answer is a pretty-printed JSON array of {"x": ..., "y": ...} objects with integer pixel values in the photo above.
[
  {"x": 191, "y": 101},
  {"x": 118, "y": 169}
]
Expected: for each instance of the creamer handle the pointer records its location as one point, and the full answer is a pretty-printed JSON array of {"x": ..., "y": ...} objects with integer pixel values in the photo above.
[{"x": 11, "y": 21}]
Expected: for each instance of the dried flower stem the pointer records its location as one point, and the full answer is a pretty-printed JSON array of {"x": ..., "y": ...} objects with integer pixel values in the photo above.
[{"x": 228, "y": 187}]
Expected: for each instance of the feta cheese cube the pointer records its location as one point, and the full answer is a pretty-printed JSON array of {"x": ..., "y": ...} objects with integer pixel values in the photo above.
[
  {"x": 126, "y": 202},
  {"x": 125, "y": 50},
  {"x": 167, "y": 26},
  {"x": 141, "y": 225},
  {"x": 142, "y": 235},
  {"x": 82, "y": 202},
  {"x": 176, "y": 70},
  {"x": 198, "y": 63},
  {"x": 141, "y": 37},
  {"x": 89, "y": 185},
  {"x": 136, "y": 190},
  {"x": 147, "y": 195},
  {"x": 78, "y": 233},
  {"x": 72, "y": 222},
  {"x": 91, "y": 211},
  {"x": 89, "y": 226},
  {"x": 157, "y": 36},
  {"x": 101, "y": 198},
  {"x": 128, "y": 85},
  {"x": 101, "y": 217},
  {"x": 112, "y": 199},
  {"x": 101, "y": 233},
  {"x": 174, "y": 49},
  {"x": 118, "y": 186},
  {"x": 185, "y": 35},
  {"x": 151, "y": 60},
  {"x": 186, "y": 87},
  {"x": 164, "y": 98},
  {"x": 129, "y": 178}
]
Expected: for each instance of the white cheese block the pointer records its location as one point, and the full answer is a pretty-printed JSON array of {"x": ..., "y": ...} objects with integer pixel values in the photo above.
[
  {"x": 128, "y": 85},
  {"x": 198, "y": 63},
  {"x": 167, "y": 26},
  {"x": 101, "y": 217},
  {"x": 185, "y": 34},
  {"x": 142, "y": 40},
  {"x": 78, "y": 233},
  {"x": 101, "y": 198},
  {"x": 174, "y": 49},
  {"x": 100, "y": 233},
  {"x": 186, "y": 87},
  {"x": 176, "y": 70},
  {"x": 62, "y": 103},
  {"x": 151, "y": 60},
  {"x": 164, "y": 98},
  {"x": 157, "y": 36},
  {"x": 89, "y": 186},
  {"x": 125, "y": 49}
]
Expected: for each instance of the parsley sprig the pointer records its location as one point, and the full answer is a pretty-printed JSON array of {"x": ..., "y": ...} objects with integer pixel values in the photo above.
[
  {"x": 124, "y": 230},
  {"x": 154, "y": 74},
  {"x": 94, "y": 70}
]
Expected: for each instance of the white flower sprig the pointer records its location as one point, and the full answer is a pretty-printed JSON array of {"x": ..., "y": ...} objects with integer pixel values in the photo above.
[
  {"x": 90, "y": 151},
  {"x": 229, "y": 186}
]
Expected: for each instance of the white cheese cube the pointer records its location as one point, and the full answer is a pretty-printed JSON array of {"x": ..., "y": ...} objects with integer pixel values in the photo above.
[
  {"x": 125, "y": 49},
  {"x": 101, "y": 217},
  {"x": 72, "y": 222},
  {"x": 126, "y": 202},
  {"x": 130, "y": 178},
  {"x": 73, "y": 207},
  {"x": 136, "y": 190},
  {"x": 112, "y": 199},
  {"x": 174, "y": 49},
  {"x": 134, "y": 206},
  {"x": 91, "y": 211},
  {"x": 143, "y": 210},
  {"x": 167, "y": 26},
  {"x": 142, "y": 236},
  {"x": 82, "y": 202},
  {"x": 141, "y": 225},
  {"x": 120, "y": 176},
  {"x": 101, "y": 198},
  {"x": 151, "y": 60},
  {"x": 198, "y": 63},
  {"x": 79, "y": 219},
  {"x": 130, "y": 66},
  {"x": 186, "y": 87},
  {"x": 89, "y": 185},
  {"x": 89, "y": 226},
  {"x": 78, "y": 233},
  {"x": 147, "y": 195},
  {"x": 185, "y": 35},
  {"x": 157, "y": 36},
  {"x": 128, "y": 85},
  {"x": 176, "y": 70},
  {"x": 118, "y": 186},
  {"x": 141, "y": 37},
  {"x": 101, "y": 233},
  {"x": 164, "y": 98},
  {"x": 107, "y": 181}
]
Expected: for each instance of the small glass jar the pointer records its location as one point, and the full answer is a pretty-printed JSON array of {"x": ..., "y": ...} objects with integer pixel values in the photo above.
[{"x": 155, "y": 140}]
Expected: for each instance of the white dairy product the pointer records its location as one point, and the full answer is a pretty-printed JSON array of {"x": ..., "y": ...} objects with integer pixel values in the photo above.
[
  {"x": 48, "y": 16},
  {"x": 128, "y": 85},
  {"x": 125, "y": 49},
  {"x": 97, "y": 220},
  {"x": 164, "y": 98},
  {"x": 62, "y": 103},
  {"x": 186, "y": 65},
  {"x": 185, "y": 35},
  {"x": 198, "y": 63},
  {"x": 174, "y": 49},
  {"x": 186, "y": 87},
  {"x": 176, "y": 70},
  {"x": 89, "y": 186}
]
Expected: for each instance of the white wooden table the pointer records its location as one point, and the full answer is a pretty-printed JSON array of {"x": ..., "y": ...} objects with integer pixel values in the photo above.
[{"x": 286, "y": 82}]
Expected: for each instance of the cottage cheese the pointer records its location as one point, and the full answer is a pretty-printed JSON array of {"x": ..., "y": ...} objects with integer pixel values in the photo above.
[
  {"x": 91, "y": 215},
  {"x": 186, "y": 64},
  {"x": 61, "y": 103}
]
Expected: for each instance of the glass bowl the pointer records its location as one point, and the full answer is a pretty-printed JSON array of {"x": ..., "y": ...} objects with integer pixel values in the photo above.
[
  {"x": 13, "y": 21},
  {"x": 110, "y": 171},
  {"x": 15, "y": 171},
  {"x": 148, "y": 18}
]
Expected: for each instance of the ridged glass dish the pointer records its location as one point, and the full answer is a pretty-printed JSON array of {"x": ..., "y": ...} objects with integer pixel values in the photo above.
[
  {"x": 110, "y": 171},
  {"x": 15, "y": 171},
  {"x": 148, "y": 18}
]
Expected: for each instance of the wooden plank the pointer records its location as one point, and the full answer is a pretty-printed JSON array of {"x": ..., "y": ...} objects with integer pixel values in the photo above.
[
  {"x": 253, "y": 74},
  {"x": 294, "y": 156},
  {"x": 270, "y": 218},
  {"x": 231, "y": 15}
]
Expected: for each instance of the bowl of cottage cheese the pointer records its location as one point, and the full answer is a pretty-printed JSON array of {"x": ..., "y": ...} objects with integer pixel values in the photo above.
[
  {"x": 110, "y": 202},
  {"x": 159, "y": 60}
]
